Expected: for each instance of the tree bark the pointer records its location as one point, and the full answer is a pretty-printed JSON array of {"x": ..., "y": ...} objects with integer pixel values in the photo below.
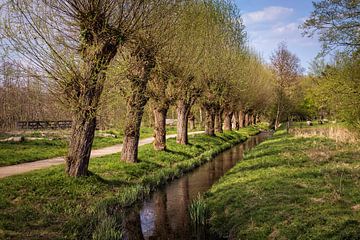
[
  {"x": 254, "y": 118},
  {"x": 250, "y": 119},
  {"x": 241, "y": 119},
  {"x": 192, "y": 121},
  {"x": 83, "y": 130},
  {"x": 201, "y": 120},
  {"x": 160, "y": 128},
  {"x": 183, "y": 110},
  {"x": 227, "y": 120},
  {"x": 236, "y": 121},
  {"x": 209, "y": 122},
  {"x": 246, "y": 123},
  {"x": 218, "y": 122},
  {"x": 135, "y": 111}
]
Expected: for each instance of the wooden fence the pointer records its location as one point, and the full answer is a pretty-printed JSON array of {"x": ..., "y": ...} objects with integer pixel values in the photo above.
[{"x": 44, "y": 124}]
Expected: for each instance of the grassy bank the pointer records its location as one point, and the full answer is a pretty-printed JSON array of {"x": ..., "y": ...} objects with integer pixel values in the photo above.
[
  {"x": 46, "y": 204},
  {"x": 14, "y": 153},
  {"x": 290, "y": 188}
]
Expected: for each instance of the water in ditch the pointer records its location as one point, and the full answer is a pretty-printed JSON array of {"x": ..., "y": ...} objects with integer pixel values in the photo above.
[{"x": 164, "y": 215}]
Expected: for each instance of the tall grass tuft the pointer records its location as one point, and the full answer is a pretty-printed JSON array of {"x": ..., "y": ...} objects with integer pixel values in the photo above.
[{"x": 199, "y": 212}]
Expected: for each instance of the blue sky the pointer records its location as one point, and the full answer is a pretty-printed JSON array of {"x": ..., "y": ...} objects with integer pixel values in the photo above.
[{"x": 269, "y": 22}]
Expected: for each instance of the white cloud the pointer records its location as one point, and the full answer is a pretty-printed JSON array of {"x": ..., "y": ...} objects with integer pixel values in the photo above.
[
  {"x": 267, "y": 14},
  {"x": 267, "y": 38}
]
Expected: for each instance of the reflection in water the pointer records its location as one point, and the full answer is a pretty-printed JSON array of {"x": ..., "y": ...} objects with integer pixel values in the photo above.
[{"x": 165, "y": 215}]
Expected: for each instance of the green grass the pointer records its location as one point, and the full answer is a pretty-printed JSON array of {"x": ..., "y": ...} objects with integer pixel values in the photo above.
[
  {"x": 28, "y": 151},
  {"x": 290, "y": 188},
  {"x": 13, "y": 153},
  {"x": 47, "y": 204}
]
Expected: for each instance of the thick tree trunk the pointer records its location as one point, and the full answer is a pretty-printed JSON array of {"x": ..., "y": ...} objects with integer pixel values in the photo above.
[
  {"x": 254, "y": 118},
  {"x": 160, "y": 128},
  {"x": 250, "y": 119},
  {"x": 246, "y": 123},
  {"x": 81, "y": 140},
  {"x": 227, "y": 121},
  {"x": 182, "y": 122},
  {"x": 135, "y": 111},
  {"x": 241, "y": 119},
  {"x": 209, "y": 122},
  {"x": 236, "y": 124},
  {"x": 218, "y": 122}
]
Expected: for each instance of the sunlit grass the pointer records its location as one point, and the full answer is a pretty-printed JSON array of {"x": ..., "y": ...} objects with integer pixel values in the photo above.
[
  {"x": 14, "y": 153},
  {"x": 48, "y": 204},
  {"x": 290, "y": 188}
]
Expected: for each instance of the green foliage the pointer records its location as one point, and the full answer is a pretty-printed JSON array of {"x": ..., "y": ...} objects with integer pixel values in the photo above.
[
  {"x": 199, "y": 212},
  {"x": 336, "y": 89},
  {"x": 290, "y": 188},
  {"x": 336, "y": 22},
  {"x": 48, "y": 204}
]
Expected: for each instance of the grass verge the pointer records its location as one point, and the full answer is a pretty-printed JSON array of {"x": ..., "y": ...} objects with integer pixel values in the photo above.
[
  {"x": 46, "y": 204},
  {"x": 28, "y": 151},
  {"x": 290, "y": 188}
]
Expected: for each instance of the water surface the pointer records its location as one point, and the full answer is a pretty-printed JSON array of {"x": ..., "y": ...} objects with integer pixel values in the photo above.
[{"x": 164, "y": 215}]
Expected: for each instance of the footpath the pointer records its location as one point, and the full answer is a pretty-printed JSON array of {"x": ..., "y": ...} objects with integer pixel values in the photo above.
[{"x": 31, "y": 166}]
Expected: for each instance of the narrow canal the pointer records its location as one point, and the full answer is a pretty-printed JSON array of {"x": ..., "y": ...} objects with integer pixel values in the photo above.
[{"x": 165, "y": 214}]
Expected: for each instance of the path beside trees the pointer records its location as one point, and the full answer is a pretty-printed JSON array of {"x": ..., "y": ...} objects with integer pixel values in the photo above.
[{"x": 31, "y": 166}]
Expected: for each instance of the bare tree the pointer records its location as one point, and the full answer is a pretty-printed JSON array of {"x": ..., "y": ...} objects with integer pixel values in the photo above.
[{"x": 286, "y": 67}]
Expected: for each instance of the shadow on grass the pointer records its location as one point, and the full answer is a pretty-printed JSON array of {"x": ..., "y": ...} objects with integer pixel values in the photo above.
[{"x": 179, "y": 153}]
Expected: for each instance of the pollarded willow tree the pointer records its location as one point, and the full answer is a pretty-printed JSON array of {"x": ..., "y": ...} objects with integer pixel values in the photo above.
[
  {"x": 136, "y": 67},
  {"x": 186, "y": 55},
  {"x": 220, "y": 66},
  {"x": 71, "y": 44}
]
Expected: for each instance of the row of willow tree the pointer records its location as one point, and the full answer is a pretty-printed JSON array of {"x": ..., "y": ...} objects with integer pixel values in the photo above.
[{"x": 157, "y": 53}]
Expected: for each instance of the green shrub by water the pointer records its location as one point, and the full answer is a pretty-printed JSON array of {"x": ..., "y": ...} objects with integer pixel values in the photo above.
[{"x": 199, "y": 212}]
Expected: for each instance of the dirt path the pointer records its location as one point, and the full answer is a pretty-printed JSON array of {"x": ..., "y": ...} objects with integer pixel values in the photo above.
[{"x": 30, "y": 166}]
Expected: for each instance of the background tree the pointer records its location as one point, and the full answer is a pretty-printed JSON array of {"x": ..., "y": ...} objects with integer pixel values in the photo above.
[
  {"x": 286, "y": 67},
  {"x": 336, "y": 22}
]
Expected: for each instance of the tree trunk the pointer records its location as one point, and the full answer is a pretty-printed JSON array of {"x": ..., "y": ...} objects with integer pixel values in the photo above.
[
  {"x": 241, "y": 119},
  {"x": 182, "y": 123},
  {"x": 254, "y": 118},
  {"x": 236, "y": 121},
  {"x": 135, "y": 111},
  {"x": 81, "y": 140},
  {"x": 160, "y": 128},
  {"x": 201, "y": 120},
  {"x": 246, "y": 120},
  {"x": 277, "y": 119},
  {"x": 192, "y": 122},
  {"x": 227, "y": 121},
  {"x": 250, "y": 119},
  {"x": 209, "y": 122},
  {"x": 218, "y": 122}
]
